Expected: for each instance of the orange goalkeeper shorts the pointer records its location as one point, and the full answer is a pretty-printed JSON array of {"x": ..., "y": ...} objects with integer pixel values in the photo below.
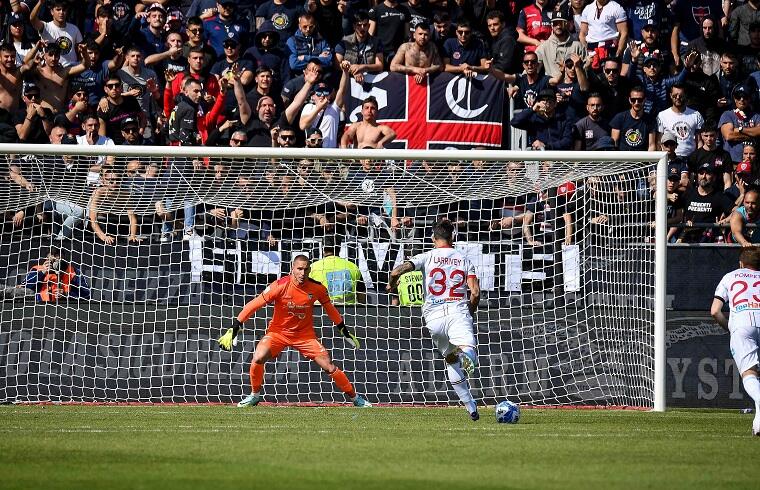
[{"x": 309, "y": 347}]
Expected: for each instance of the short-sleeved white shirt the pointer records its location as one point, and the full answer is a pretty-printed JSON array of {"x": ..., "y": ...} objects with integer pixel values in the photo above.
[
  {"x": 602, "y": 24},
  {"x": 444, "y": 274},
  {"x": 683, "y": 126},
  {"x": 741, "y": 290},
  {"x": 53, "y": 33},
  {"x": 328, "y": 125}
]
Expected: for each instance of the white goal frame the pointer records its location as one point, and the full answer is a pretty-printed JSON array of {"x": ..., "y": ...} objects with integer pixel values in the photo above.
[{"x": 660, "y": 158}]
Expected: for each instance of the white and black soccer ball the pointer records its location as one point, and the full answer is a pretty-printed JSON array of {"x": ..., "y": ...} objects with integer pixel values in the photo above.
[
  {"x": 368, "y": 186},
  {"x": 507, "y": 412}
]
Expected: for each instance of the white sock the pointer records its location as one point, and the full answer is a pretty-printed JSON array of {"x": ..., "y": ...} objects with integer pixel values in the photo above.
[
  {"x": 460, "y": 384},
  {"x": 752, "y": 387}
]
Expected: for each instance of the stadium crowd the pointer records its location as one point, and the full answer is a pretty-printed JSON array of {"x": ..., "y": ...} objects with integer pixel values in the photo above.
[{"x": 679, "y": 76}]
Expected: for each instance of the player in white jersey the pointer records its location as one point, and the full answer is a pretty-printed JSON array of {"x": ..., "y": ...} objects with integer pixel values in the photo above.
[
  {"x": 741, "y": 290},
  {"x": 447, "y": 275}
]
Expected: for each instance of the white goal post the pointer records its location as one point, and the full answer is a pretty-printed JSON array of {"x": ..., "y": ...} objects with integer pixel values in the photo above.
[{"x": 155, "y": 249}]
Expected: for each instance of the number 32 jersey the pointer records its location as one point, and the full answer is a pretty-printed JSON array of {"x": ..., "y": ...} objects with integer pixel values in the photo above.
[
  {"x": 741, "y": 290},
  {"x": 444, "y": 273}
]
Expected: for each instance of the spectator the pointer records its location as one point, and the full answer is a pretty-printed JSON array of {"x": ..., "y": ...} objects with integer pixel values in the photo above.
[
  {"x": 314, "y": 138},
  {"x": 329, "y": 18},
  {"x": 681, "y": 121},
  {"x": 656, "y": 84},
  {"x": 266, "y": 52},
  {"x": 307, "y": 44},
  {"x": 534, "y": 25},
  {"x": 115, "y": 107},
  {"x": 151, "y": 38},
  {"x": 741, "y": 125},
  {"x": 604, "y": 30},
  {"x": 547, "y": 130},
  {"x": 705, "y": 205},
  {"x": 559, "y": 46},
  {"x": 58, "y": 32},
  {"x": 748, "y": 55},
  {"x": 196, "y": 40},
  {"x": 591, "y": 128},
  {"x": 18, "y": 36},
  {"x": 710, "y": 45},
  {"x": 643, "y": 13},
  {"x": 171, "y": 60},
  {"x": 419, "y": 12},
  {"x": 444, "y": 29},
  {"x": 50, "y": 281},
  {"x": 572, "y": 88},
  {"x": 90, "y": 136},
  {"x": 527, "y": 84},
  {"x": 504, "y": 49},
  {"x": 325, "y": 109},
  {"x": 419, "y": 57},
  {"x": 745, "y": 178},
  {"x": 634, "y": 130},
  {"x": 341, "y": 277},
  {"x": 295, "y": 84},
  {"x": 141, "y": 83},
  {"x": 668, "y": 143},
  {"x": 516, "y": 215},
  {"x": 574, "y": 11},
  {"x": 34, "y": 120},
  {"x": 710, "y": 153},
  {"x": 130, "y": 132},
  {"x": 650, "y": 45},
  {"x": 77, "y": 108},
  {"x": 111, "y": 196},
  {"x": 465, "y": 54},
  {"x": 284, "y": 136},
  {"x": 184, "y": 121},
  {"x": 94, "y": 77},
  {"x": 747, "y": 213},
  {"x": 613, "y": 88},
  {"x": 729, "y": 76},
  {"x": 225, "y": 25},
  {"x": 389, "y": 21},
  {"x": 702, "y": 91},
  {"x": 196, "y": 70},
  {"x": 676, "y": 203},
  {"x": 362, "y": 51},
  {"x": 283, "y": 14},
  {"x": 224, "y": 68},
  {"x": 688, "y": 18},
  {"x": 11, "y": 78},
  {"x": 264, "y": 80},
  {"x": 740, "y": 21},
  {"x": 52, "y": 77},
  {"x": 259, "y": 130},
  {"x": 367, "y": 133}
]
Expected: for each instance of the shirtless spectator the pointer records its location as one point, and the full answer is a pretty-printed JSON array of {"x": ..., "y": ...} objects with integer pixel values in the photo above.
[
  {"x": 57, "y": 32},
  {"x": 112, "y": 197},
  {"x": 367, "y": 133},
  {"x": 11, "y": 77},
  {"x": 52, "y": 77},
  {"x": 419, "y": 57}
]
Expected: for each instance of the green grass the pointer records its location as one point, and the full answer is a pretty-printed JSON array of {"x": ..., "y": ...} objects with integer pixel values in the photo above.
[{"x": 381, "y": 448}]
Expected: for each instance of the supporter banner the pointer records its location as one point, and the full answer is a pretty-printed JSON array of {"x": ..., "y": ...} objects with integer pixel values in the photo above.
[{"x": 448, "y": 110}]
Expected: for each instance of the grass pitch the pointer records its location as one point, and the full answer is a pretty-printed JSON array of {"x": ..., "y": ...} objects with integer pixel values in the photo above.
[{"x": 381, "y": 448}]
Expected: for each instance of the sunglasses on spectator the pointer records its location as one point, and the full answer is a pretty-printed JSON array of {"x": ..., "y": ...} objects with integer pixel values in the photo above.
[
  {"x": 195, "y": 31},
  {"x": 130, "y": 130},
  {"x": 315, "y": 141},
  {"x": 636, "y": 99},
  {"x": 268, "y": 34},
  {"x": 741, "y": 97},
  {"x": 33, "y": 96},
  {"x": 238, "y": 141},
  {"x": 113, "y": 85},
  {"x": 288, "y": 137},
  {"x": 322, "y": 93},
  {"x": 463, "y": 32},
  {"x": 530, "y": 62},
  {"x": 610, "y": 70}
]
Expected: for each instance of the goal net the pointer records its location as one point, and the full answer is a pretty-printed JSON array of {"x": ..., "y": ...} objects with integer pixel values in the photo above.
[{"x": 121, "y": 267}]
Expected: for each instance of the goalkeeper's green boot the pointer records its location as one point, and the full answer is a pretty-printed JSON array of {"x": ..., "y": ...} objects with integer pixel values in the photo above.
[
  {"x": 468, "y": 365},
  {"x": 250, "y": 401},
  {"x": 359, "y": 401}
]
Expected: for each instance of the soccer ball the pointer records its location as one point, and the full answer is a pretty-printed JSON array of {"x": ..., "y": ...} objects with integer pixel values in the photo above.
[
  {"x": 507, "y": 412},
  {"x": 368, "y": 186}
]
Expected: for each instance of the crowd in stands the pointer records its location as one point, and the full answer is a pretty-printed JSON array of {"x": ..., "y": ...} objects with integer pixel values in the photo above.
[{"x": 680, "y": 76}]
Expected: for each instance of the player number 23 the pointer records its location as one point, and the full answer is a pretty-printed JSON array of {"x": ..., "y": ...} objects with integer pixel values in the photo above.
[
  {"x": 437, "y": 283},
  {"x": 741, "y": 287}
]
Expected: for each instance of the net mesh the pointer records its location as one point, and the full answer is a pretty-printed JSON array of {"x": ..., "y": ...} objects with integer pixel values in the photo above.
[{"x": 120, "y": 272}]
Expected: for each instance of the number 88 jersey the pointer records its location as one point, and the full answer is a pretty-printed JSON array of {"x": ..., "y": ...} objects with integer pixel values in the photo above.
[
  {"x": 741, "y": 290},
  {"x": 444, "y": 273}
]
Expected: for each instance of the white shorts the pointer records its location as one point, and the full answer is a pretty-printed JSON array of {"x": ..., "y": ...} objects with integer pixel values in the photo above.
[
  {"x": 744, "y": 345},
  {"x": 451, "y": 330}
]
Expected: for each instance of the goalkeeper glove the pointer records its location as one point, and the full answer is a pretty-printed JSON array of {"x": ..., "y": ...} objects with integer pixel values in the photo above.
[
  {"x": 343, "y": 329},
  {"x": 229, "y": 339}
]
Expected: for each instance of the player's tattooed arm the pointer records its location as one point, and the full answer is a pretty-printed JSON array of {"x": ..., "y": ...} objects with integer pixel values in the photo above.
[{"x": 398, "y": 272}]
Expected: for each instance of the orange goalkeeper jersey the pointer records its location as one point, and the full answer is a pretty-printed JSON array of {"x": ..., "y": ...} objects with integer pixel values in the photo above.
[{"x": 293, "y": 306}]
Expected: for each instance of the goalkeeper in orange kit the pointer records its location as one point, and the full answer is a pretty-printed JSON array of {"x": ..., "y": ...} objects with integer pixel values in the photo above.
[{"x": 292, "y": 325}]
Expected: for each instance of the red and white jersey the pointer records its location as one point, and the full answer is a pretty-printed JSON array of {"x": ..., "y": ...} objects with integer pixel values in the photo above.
[
  {"x": 741, "y": 290},
  {"x": 444, "y": 273}
]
